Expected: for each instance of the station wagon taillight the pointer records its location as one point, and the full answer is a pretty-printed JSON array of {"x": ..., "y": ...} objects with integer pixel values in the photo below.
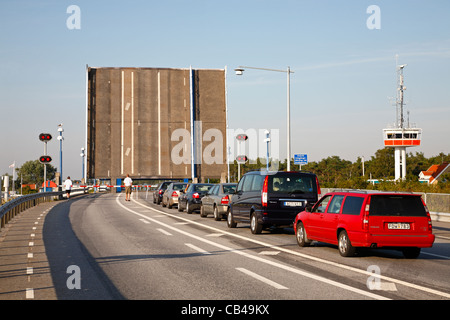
[
  {"x": 174, "y": 194},
  {"x": 365, "y": 219},
  {"x": 430, "y": 225},
  {"x": 264, "y": 192},
  {"x": 196, "y": 195}
]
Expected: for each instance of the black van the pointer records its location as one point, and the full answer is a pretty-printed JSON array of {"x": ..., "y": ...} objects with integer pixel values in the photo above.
[{"x": 268, "y": 199}]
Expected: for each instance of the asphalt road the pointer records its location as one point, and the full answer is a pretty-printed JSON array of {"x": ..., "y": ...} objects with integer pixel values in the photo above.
[{"x": 101, "y": 247}]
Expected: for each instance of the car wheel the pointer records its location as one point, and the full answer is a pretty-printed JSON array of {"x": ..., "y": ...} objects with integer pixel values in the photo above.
[
  {"x": 188, "y": 208},
  {"x": 301, "y": 236},
  {"x": 169, "y": 206},
  {"x": 255, "y": 226},
  {"x": 217, "y": 216},
  {"x": 411, "y": 253},
  {"x": 202, "y": 212},
  {"x": 180, "y": 208},
  {"x": 230, "y": 222},
  {"x": 345, "y": 247}
]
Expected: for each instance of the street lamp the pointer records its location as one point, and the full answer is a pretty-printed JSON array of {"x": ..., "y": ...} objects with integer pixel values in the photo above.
[
  {"x": 240, "y": 71},
  {"x": 267, "y": 140},
  {"x": 60, "y": 138},
  {"x": 82, "y": 164}
]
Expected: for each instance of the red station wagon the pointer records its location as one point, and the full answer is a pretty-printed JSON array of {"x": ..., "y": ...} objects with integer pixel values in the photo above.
[{"x": 367, "y": 219}]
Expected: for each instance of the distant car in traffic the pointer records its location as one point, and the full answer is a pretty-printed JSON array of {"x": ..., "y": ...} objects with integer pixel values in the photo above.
[
  {"x": 217, "y": 200},
  {"x": 367, "y": 219},
  {"x": 191, "y": 198},
  {"x": 159, "y": 191},
  {"x": 271, "y": 199},
  {"x": 172, "y": 193}
]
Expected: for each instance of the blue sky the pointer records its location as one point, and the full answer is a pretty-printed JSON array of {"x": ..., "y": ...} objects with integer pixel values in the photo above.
[{"x": 344, "y": 73}]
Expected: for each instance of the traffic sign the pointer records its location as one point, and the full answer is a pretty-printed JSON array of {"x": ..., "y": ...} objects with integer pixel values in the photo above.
[{"x": 300, "y": 158}]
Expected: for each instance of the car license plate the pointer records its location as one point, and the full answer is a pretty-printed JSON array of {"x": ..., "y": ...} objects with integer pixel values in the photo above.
[
  {"x": 293, "y": 203},
  {"x": 403, "y": 226}
]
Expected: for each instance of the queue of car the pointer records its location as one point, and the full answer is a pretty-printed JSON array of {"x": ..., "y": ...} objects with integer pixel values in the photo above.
[{"x": 351, "y": 220}]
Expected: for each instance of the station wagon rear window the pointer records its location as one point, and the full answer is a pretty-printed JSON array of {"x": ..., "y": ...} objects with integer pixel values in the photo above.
[{"x": 397, "y": 205}]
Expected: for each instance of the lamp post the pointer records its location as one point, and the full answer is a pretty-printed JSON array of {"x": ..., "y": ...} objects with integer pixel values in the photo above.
[
  {"x": 82, "y": 154},
  {"x": 60, "y": 138},
  {"x": 240, "y": 70},
  {"x": 267, "y": 140}
]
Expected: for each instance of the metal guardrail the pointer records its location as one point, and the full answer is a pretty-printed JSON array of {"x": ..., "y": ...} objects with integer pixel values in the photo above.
[{"x": 12, "y": 208}]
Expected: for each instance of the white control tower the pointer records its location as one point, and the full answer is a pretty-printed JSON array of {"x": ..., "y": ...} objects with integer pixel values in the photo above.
[{"x": 401, "y": 136}]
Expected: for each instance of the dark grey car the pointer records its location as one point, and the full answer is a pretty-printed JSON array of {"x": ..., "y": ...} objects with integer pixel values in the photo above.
[{"x": 217, "y": 200}]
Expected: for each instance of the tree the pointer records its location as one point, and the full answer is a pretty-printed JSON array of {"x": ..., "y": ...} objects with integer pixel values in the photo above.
[{"x": 32, "y": 172}]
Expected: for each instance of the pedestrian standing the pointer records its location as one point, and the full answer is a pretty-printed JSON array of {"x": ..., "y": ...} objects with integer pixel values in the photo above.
[
  {"x": 68, "y": 186},
  {"x": 128, "y": 183}
]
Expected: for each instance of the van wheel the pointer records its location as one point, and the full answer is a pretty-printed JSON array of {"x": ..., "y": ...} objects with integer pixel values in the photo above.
[
  {"x": 230, "y": 222},
  {"x": 301, "y": 236},
  {"x": 255, "y": 226},
  {"x": 345, "y": 247},
  {"x": 411, "y": 253}
]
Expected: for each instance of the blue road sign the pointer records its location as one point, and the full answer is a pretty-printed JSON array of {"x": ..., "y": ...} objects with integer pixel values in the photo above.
[{"x": 300, "y": 158}]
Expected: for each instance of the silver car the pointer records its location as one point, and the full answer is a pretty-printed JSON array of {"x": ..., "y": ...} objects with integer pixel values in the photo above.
[
  {"x": 217, "y": 200},
  {"x": 170, "y": 196}
]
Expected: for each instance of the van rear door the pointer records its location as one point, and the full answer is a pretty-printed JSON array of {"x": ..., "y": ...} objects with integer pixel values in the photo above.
[{"x": 289, "y": 192}]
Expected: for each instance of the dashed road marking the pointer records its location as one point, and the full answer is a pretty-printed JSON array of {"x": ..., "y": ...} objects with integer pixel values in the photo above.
[
  {"x": 263, "y": 279},
  {"x": 164, "y": 231},
  {"x": 190, "y": 245}
]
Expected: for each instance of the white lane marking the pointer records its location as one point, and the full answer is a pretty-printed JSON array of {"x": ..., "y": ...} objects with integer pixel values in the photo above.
[
  {"x": 435, "y": 255},
  {"x": 388, "y": 286},
  {"x": 145, "y": 221},
  {"x": 29, "y": 270},
  {"x": 306, "y": 256},
  {"x": 31, "y": 243},
  {"x": 263, "y": 260},
  {"x": 164, "y": 231},
  {"x": 190, "y": 245},
  {"x": 30, "y": 255},
  {"x": 215, "y": 235},
  {"x": 261, "y": 278},
  {"x": 29, "y": 293},
  {"x": 269, "y": 253}
]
